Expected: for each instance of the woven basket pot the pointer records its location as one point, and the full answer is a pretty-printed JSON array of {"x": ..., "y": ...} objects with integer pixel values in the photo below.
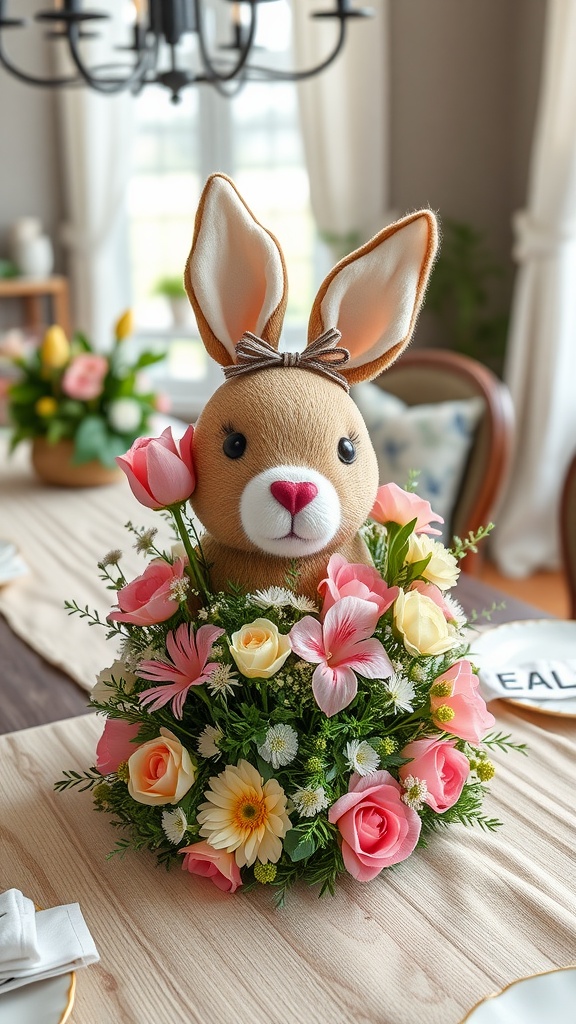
[{"x": 53, "y": 464}]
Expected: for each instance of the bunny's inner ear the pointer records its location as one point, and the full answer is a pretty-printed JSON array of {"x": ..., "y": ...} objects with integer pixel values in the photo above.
[
  {"x": 373, "y": 295},
  {"x": 235, "y": 275}
]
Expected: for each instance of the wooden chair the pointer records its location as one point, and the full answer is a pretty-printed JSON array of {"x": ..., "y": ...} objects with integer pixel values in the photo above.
[
  {"x": 423, "y": 376},
  {"x": 568, "y": 532}
]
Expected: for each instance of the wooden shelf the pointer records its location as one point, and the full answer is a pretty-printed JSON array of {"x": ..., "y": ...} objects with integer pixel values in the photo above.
[{"x": 32, "y": 291}]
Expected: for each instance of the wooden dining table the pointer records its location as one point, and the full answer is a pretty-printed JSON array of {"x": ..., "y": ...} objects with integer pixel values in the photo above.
[{"x": 421, "y": 944}]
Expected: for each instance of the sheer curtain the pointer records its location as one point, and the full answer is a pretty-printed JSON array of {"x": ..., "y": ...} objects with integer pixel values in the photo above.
[
  {"x": 344, "y": 119},
  {"x": 95, "y": 139},
  {"x": 541, "y": 370}
]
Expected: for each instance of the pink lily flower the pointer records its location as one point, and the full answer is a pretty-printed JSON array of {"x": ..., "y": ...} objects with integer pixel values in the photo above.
[
  {"x": 187, "y": 666},
  {"x": 341, "y": 646}
]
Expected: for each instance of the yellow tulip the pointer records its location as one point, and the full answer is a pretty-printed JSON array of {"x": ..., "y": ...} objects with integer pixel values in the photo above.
[
  {"x": 46, "y": 406},
  {"x": 124, "y": 326},
  {"x": 55, "y": 349}
]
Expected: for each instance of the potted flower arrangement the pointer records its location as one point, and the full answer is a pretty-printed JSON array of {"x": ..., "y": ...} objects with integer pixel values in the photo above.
[{"x": 80, "y": 408}]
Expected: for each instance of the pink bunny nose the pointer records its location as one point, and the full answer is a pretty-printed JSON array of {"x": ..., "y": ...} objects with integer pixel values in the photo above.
[{"x": 293, "y": 496}]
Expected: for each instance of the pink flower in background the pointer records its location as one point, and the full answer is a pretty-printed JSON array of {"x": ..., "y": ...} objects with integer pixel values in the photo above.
[
  {"x": 114, "y": 745},
  {"x": 457, "y": 707},
  {"x": 377, "y": 828},
  {"x": 394, "y": 505},
  {"x": 84, "y": 377},
  {"x": 340, "y": 646},
  {"x": 443, "y": 768},
  {"x": 160, "y": 470},
  {"x": 351, "y": 579},
  {"x": 147, "y": 600},
  {"x": 217, "y": 865},
  {"x": 187, "y": 666}
]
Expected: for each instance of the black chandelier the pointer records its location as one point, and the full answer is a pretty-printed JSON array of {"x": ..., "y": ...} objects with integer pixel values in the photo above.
[{"x": 158, "y": 22}]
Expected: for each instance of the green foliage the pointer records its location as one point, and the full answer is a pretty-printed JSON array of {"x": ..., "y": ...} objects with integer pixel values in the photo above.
[
  {"x": 171, "y": 287},
  {"x": 459, "y": 295}
]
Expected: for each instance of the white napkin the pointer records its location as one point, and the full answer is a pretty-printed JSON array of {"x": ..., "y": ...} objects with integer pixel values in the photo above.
[
  {"x": 18, "y": 948},
  {"x": 12, "y": 565},
  {"x": 63, "y": 943},
  {"x": 542, "y": 679}
]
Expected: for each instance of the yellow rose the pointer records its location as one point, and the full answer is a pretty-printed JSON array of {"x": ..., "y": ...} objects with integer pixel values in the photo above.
[
  {"x": 46, "y": 406},
  {"x": 55, "y": 349},
  {"x": 422, "y": 625},
  {"x": 124, "y": 326},
  {"x": 259, "y": 650},
  {"x": 442, "y": 569},
  {"x": 160, "y": 771}
]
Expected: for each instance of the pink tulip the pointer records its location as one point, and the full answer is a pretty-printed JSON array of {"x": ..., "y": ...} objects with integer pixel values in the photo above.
[
  {"x": 187, "y": 666},
  {"x": 159, "y": 470},
  {"x": 377, "y": 828},
  {"x": 147, "y": 600},
  {"x": 467, "y": 715},
  {"x": 84, "y": 377},
  {"x": 351, "y": 579},
  {"x": 394, "y": 505},
  {"x": 443, "y": 768},
  {"x": 340, "y": 647},
  {"x": 217, "y": 865},
  {"x": 114, "y": 745}
]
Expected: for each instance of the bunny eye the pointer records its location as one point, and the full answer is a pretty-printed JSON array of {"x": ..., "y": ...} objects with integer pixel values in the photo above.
[
  {"x": 346, "y": 450},
  {"x": 234, "y": 445}
]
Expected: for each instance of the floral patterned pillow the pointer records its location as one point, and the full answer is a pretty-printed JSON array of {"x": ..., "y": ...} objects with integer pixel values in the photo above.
[{"x": 434, "y": 439}]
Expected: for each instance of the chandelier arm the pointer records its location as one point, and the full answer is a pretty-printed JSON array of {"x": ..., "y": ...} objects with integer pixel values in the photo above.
[
  {"x": 112, "y": 86},
  {"x": 32, "y": 79},
  {"x": 214, "y": 76},
  {"x": 300, "y": 76}
]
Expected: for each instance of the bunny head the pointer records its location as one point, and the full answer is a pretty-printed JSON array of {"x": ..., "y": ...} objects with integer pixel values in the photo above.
[{"x": 286, "y": 473}]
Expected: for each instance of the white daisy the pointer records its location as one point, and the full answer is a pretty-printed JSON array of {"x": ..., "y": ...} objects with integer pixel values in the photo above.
[
  {"x": 223, "y": 679},
  {"x": 415, "y": 792},
  {"x": 273, "y": 597},
  {"x": 208, "y": 741},
  {"x": 179, "y": 589},
  {"x": 302, "y": 603},
  {"x": 401, "y": 692},
  {"x": 309, "y": 802},
  {"x": 280, "y": 746},
  {"x": 174, "y": 824},
  {"x": 362, "y": 758},
  {"x": 458, "y": 615}
]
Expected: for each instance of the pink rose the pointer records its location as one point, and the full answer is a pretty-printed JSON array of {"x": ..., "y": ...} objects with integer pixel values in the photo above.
[
  {"x": 218, "y": 865},
  {"x": 351, "y": 579},
  {"x": 159, "y": 470},
  {"x": 84, "y": 377},
  {"x": 160, "y": 771},
  {"x": 377, "y": 828},
  {"x": 147, "y": 599},
  {"x": 115, "y": 744},
  {"x": 457, "y": 707},
  {"x": 440, "y": 766},
  {"x": 394, "y": 505},
  {"x": 435, "y": 594}
]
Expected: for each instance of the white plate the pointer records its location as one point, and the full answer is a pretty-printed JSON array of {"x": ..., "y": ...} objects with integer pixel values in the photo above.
[
  {"x": 41, "y": 1002},
  {"x": 516, "y": 643},
  {"x": 542, "y": 999}
]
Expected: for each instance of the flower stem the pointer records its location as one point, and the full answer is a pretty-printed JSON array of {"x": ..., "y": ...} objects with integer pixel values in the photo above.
[{"x": 176, "y": 511}]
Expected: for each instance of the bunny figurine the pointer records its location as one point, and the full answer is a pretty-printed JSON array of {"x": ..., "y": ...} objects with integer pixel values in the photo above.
[{"x": 286, "y": 472}]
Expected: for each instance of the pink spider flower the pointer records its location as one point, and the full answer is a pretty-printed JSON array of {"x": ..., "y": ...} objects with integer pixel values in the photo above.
[
  {"x": 341, "y": 646},
  {"x": 187, "y": 666}
]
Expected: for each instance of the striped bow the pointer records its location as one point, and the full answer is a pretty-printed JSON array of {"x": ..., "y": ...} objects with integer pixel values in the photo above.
[{"x": 321, "y": 356}]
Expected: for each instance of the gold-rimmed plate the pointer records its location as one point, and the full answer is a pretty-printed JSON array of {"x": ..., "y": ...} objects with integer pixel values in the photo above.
[
  {"x": 550, "y": 996},
  {"x": 517, "y": 643},
  {"x": 41, "y": 1002}
]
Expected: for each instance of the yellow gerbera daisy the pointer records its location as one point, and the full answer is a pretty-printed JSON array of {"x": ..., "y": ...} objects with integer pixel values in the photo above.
[{"x": 244, "y": 815}]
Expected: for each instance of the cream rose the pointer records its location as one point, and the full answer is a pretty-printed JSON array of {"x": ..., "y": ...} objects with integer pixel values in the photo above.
[
  {"x": 160, "y": 771},
  {"x": 259, "y": 650},
  {"x": 442, "y": 569},
  {"x": 422, "y": 625},
  {"x": 104, "y": 687}
]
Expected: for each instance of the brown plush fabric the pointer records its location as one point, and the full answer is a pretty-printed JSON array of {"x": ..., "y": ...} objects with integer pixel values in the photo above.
[{"x": 289, "y": 416}]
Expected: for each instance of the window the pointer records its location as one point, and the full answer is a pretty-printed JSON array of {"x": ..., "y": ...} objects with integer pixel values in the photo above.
[{"x": 254, "y": 137}]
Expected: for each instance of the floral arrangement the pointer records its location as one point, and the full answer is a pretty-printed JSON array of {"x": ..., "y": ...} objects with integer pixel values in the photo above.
[
  {"x": 264, "y": 738},
  {"x": 67, "y": 391}
]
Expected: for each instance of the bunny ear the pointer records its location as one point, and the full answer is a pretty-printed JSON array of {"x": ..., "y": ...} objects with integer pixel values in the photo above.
[
  {"x": 235, "y": 276},
  {"x": 374, "y": 294}
]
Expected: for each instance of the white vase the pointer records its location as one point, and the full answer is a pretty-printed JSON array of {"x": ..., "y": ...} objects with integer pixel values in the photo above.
[{"x": 34, "y": 256}]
